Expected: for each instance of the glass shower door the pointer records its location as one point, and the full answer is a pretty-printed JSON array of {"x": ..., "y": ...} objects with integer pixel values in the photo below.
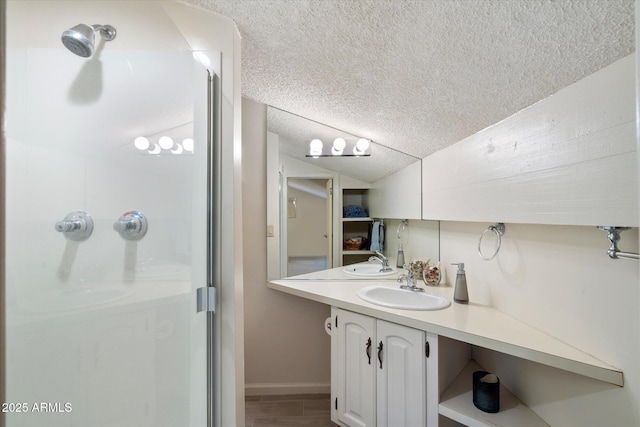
[{"x": 107, "y": 224}]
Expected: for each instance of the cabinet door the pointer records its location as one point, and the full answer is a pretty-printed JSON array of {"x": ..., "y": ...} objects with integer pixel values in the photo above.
[
  {"x": 353, "y": 368},
  {"x": 401, "y": 376}
]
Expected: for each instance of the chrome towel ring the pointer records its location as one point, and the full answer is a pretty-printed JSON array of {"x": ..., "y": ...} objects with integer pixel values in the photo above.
[{"x": 498, "y": 228}]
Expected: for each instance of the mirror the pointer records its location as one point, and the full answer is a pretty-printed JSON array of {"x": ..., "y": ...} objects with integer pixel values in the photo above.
[
  {"x": 296, "y": 181},
  {"x": 296, "y": 132}
]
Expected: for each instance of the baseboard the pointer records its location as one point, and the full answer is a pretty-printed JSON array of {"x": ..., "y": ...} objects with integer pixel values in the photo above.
[{"x": 271, "y": 389}]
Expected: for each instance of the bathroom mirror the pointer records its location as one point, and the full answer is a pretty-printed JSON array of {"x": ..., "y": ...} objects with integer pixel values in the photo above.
[
  {"x": 386, "y": 173},
  {"x": 295, "y": 133}
]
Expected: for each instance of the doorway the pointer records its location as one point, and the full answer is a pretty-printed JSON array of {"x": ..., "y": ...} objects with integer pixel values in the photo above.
[{"x": 309, "y": 219}]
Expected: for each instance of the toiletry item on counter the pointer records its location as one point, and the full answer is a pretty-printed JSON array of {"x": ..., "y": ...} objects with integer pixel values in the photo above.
[
  {"x": 461, "y": 294},
  {"x": 431, "y": 274},
  {"x": 400, "y": 257},
  {"x": 486, "y": 391},
  {"x": 416, "y": 268}
]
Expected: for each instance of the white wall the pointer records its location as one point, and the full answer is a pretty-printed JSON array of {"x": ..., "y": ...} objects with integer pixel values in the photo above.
[
  {"x": 286, "y": 348},
  {"x": 560, "y": 280}
]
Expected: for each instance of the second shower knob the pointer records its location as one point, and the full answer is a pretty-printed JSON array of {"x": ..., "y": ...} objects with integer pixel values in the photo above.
[{"x": 131, "y": 225}]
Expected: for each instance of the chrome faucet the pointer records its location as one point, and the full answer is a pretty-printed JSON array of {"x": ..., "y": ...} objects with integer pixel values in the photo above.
[
  {"x": 411, "y": 281},
  {"x": 382, "y": 260}
]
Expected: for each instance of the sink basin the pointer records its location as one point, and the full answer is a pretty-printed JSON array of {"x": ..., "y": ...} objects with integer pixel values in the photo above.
[
  {"x": 368, "y": 270},
  {"x": 402, "y": 299},
  {"x": 76, "y": 298}
]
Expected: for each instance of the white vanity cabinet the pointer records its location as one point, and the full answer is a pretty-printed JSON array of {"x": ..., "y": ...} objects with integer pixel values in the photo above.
[{"x": 378, "y": 372}]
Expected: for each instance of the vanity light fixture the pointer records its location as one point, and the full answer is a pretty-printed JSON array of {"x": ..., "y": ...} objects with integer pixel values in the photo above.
[
  {"x": 339, "y": 148},
  {"x": 164, "y": 145}
]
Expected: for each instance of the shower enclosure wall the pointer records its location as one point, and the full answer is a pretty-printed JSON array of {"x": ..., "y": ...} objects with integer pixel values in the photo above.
[{"x": 107, "y": 236}]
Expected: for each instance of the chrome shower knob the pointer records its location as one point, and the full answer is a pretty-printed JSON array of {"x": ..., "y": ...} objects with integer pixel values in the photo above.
[
  {"x": 76, "y": 226},
  {"x": 131, "y": 225}
]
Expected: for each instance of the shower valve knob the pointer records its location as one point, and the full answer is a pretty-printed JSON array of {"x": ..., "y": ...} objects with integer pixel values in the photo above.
[
  {"x": 77, "y": 226},
  {"x": 131, "y": 225}
]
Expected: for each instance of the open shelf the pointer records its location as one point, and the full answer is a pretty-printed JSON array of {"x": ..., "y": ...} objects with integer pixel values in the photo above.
[{"x": 457, "y": 403}]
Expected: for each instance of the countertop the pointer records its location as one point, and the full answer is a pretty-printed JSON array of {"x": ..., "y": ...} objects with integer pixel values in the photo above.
[{"x": 473, "y": 323}]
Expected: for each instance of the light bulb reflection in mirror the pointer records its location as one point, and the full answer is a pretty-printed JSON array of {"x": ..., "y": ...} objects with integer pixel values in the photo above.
[
  {"x": 166, "y": 143},
  {"x": 156, "y": 149},
  {"x": 141, "y": 143},
  {"x": 188, "y": 144}
]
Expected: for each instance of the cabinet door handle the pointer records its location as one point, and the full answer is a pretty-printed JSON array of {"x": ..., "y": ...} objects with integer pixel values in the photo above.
[
  {"x": 368, "y": 350},
  {"x": 380, "y": 354}
]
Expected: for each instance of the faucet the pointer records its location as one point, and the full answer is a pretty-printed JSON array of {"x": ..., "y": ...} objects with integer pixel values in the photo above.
[
  {"x": 383, "y": 260},
  {"x": 411, "y": 281}
]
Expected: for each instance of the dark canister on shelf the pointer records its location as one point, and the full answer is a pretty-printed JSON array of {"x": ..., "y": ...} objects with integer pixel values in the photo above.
[{"x": 486, "y": 391}]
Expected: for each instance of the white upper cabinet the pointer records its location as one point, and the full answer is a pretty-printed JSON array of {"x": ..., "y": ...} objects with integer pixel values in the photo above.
[{"x": 568, "y": 159}]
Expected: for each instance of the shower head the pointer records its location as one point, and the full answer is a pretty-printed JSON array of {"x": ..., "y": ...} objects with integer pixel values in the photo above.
[{"x": 81, "y": 38}]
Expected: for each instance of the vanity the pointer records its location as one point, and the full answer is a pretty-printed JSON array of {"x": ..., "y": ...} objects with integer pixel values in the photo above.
[{"x": 416, "y": 366}]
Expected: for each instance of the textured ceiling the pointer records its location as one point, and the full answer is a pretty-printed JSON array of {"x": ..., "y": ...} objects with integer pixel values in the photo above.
[{"x": 418, "y": 76}]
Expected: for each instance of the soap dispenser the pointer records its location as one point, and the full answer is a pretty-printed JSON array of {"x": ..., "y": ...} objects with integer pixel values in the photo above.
[
  {"x": 400, "y": 257},
  {"x": 460, "y": 294}
]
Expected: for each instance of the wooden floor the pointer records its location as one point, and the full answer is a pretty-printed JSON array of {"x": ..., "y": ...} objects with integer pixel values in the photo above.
[{"x": 304, "y": 410}]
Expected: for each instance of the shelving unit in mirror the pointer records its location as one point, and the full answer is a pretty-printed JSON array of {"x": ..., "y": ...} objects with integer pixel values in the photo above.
[{"x": 355, "y": 225}]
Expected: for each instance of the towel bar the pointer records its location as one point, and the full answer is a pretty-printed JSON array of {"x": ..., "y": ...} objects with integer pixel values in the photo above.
[{"x": 613, "y": 233}]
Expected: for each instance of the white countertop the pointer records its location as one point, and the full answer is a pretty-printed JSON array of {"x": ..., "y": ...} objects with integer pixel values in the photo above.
[{"x": 472, "y": 323}]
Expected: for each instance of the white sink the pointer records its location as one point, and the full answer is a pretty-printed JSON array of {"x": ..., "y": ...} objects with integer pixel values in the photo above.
[
  {"x": 368, "y": 270},
  {"x": 402, "y": 299}
]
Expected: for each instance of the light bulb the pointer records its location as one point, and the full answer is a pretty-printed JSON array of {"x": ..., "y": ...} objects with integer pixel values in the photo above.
[
  {"x": 178, "y": 150},
  {"x": 315, "y": 147},
  {"x": 156, "y": 149},
  {"x": 362, "y": 145},
  {"x": 338, "y": 146},
  {"x": 188, "y": 144},
  {"x": 141, "y": 143},
  {"x": 166, "y": 143}
]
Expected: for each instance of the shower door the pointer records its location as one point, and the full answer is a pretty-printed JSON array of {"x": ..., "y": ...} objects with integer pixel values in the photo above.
[{"x": 108, "y": 226}]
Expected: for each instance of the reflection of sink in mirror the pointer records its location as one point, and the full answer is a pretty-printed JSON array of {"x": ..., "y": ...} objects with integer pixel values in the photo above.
[
  {"x": 75, "y": 298},
  {"x": 368, "y": 270},
  {"x": 402, "y": 299}
]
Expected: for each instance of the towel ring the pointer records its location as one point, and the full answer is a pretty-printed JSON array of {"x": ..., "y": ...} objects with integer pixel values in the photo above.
[{"x": 498, "y": 229}]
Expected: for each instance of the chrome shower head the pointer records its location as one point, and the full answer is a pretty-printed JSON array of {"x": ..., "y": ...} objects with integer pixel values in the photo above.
[{"x": 81, "y": 38}]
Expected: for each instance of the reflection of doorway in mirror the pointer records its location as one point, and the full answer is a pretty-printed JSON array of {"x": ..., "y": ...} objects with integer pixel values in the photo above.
[{"x": 309, "y": 230}]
